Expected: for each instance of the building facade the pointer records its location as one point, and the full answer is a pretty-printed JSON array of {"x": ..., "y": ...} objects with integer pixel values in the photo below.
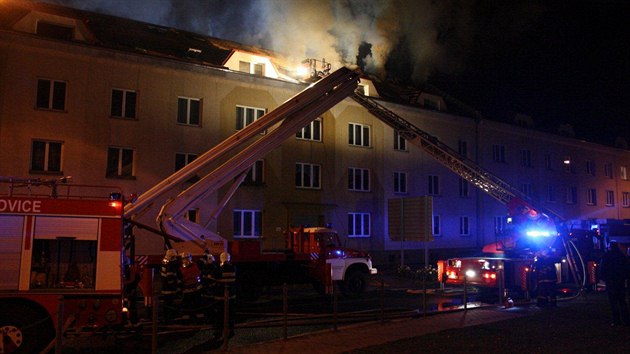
[{"x": 79, "y": 99}]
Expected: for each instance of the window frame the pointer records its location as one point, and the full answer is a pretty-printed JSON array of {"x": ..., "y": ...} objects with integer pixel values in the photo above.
[
  {"x": 400, "y": 143},
  {"x": 464, "y": 226},
  {"x": 363, "y": 223},
  {"x": 47, "y": 159},
  {"x": 400, "y": 182},
  {"x": 255, "y": 223},
  {"x": 591, "y": 196},
  {"x": 187, "y": 119},
  {"x": 120, "y": 163},
  {"x": 610, "y": 198},
  {"x": 312, "y": 171},
  {"x": 433, "y": 186},
  {"x": 364, "y": 173},
  {"x": 314, "y": 129},
  {"x": 365, "y": 133},
  {"x": 51, "y": 95},
  {"x": 125, "y": 97},
  {"x": 498, "y": 153},
  {"x": 241, "y": 121}
]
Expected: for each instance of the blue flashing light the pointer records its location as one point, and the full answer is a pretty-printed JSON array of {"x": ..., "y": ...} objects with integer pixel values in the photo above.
[{"x": 538, "y": 233}]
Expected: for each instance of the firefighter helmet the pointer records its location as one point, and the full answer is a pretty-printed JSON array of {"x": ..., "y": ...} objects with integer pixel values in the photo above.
[
  {"x": 224, "y": 257},
  {"x": 170, "y": 255},
  {"x": 186, "y": 259}
]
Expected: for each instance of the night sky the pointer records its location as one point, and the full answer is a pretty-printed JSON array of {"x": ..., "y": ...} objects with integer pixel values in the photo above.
[{"x": 556, "y": 61}]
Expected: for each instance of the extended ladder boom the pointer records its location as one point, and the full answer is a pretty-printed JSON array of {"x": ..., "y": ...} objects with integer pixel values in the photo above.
[{"x": 492, "y": 185}]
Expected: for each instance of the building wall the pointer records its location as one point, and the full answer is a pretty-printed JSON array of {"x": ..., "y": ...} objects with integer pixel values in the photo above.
[{"x": 87, "y": 131}]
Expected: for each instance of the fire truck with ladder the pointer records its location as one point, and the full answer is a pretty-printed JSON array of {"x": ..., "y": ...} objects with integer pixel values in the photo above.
[
  {"x": 508, "y": 262},
  {"x": 68, "y": 250}
]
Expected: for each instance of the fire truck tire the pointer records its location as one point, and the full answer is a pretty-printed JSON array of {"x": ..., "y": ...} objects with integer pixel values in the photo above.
[
  {"x": 24, "y": 328},
  {"x": 354, "y": 284}
]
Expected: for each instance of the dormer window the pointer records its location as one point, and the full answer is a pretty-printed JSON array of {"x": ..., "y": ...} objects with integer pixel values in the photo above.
[{"x": 52, "y": 30}]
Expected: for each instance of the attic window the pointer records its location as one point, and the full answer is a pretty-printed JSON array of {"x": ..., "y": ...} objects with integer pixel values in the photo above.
[
  {"x": 193, "y": 53},
  {"x": 56, "y": 31}
]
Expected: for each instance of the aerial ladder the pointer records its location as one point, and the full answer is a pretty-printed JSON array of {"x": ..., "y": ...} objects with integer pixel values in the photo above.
[
  {"x": 520, "y": 208},
  {"x": 235, "y": 155}
]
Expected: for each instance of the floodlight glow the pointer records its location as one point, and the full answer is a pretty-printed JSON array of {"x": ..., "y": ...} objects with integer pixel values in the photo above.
[
  {"x": 470, "y": 273},
  {"x": 302, "y": 71}
]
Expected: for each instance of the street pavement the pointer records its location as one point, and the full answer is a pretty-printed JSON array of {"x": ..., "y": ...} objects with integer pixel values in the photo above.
[{"x": 352, "y": 337}]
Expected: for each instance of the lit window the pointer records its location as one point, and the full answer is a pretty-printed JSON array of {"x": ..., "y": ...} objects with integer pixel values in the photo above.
[
  {"x": 247, "y": 115},
  {"x": 123, "y": 103},
  {"x": 359, "y": 134},
  {"x": 188, "y": 111},
  {"x": 307, "y": 175},
  {"x": 247, "y": 223},
  {"x": 51, "y": 94},
  {"x": 46, "y": 156},
  {"x": 120, "y": 163},
  {"x": 625, "y": 199},
  {"x": 358, "y": 224},
  {"x": 358, "y": 179},
  {"x": 313, "y": 131},
  {"x": 623, "y": 173}
]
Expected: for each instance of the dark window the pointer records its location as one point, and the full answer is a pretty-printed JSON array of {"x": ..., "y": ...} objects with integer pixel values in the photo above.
[
  {"x": 51, "y": 30},
  {"x": 51, "y": 94}
]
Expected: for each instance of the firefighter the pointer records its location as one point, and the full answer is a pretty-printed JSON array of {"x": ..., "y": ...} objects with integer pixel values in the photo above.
[
  {"x": 208, "y": 267},
  {"x": 614, "y": 271},
  {"x": 191, "y": 284},
  {"x": 546, "y": 279},
  {"x": 226, "y": 280},
  {"x": 171, "y": 282}
]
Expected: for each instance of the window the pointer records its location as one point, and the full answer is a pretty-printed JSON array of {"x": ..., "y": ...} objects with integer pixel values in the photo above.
[
  {"x": 192, "y": 215},
  {"x": 623, "y": 173},
  {"x": 610, "y": 198},
  {"x": 307, "y": 175},
  {"x": 52, "y": 30},
  {"x": 120, "y": 163},
  {"x": 188, "y": 110},
  {"x": 571, "y": 195},
  {"x": 462, "y": 147},
  {"x": 358, "y": 224},
  {"x": 51, "y": 94},
  {"x": 46, "y": 157},
  {"x": 551, "y": 193},
  {"x": 526, "y": 158},
  {"x": 498, "y": 153},
  {"x": 526, "y": 188},
  {"x": 247, "y": 115},
  {"x": 499, "y": 224},
  {"x": 358, "y": 179},
  {"x": 247, "y": 223},
  {"x": 591, "y": 196},
  {"x": 463, "y": 226},
  {"x": 313, "y": 131},
  {"x": 608, "y": 170},
  {"x": 256, "y": 173},
  {"x": 123, "y": 103},
  {"x": 251, "y": 68},
  {"x": 400, "y": 143},
  {"x": 590, "y": 167},
  {"x": 434, "y": 185},
  {"x": 359, "y": 134},
  {"x": 437, "y": 227},
  {"x": 568, "y": 165},
  {"x": 625, "y": 199},
  {"x": 183, "y": 159},
  {"x": 400, "y": 182},
  {"x": 463, "y": 188},
  {"x": 548, "y": 165}
]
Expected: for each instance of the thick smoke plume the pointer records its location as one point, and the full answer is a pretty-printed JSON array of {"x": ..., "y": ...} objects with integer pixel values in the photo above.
[{"x": 402, "y": 39}]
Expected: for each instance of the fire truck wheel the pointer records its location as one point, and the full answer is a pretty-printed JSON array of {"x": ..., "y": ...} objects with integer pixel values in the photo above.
[
  {"x": 24, "y": 329},
  {"x": 354, "y": 284}
]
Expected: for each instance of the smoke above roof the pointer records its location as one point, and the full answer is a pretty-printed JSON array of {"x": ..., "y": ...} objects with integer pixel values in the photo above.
[{"x": 400, "y": 39}]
